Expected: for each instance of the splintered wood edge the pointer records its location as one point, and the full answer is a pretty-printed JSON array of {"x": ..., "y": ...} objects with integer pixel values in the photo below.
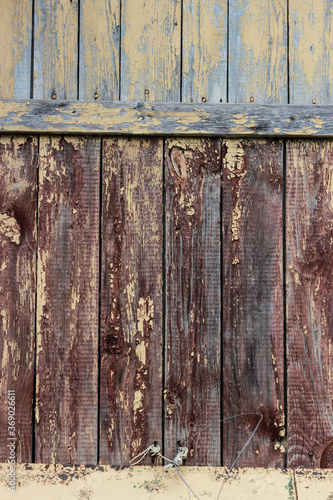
[
  {"x": 96, "y": 482},
  {"x": 180, "y": 119}
]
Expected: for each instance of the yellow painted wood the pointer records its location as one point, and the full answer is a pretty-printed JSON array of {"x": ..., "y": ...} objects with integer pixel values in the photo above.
[
  {"x": 55, "y": 49},
  {"x": 311, "y": 44},
  {"x": 99, "y": 49},
  {"x": 15, "y": 48},
  {"x": 258, "y": 51},
  {"x": 169, "y": 119},
  {"x": 136, "y": 483},
  {"x": 150, "y": 50},
  {"x": 204, "y": 51}
]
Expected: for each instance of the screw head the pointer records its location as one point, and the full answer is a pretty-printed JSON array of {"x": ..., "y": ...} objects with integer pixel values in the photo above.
[
  {"x": 314, "y": 101},
  {"x": 96, "y": 95},
  {"x": 204, "y": 99},
  {"x": 146, "y": 91},
  {"x": 251, "y": 98},
  {"x": 54, "y": 96}
]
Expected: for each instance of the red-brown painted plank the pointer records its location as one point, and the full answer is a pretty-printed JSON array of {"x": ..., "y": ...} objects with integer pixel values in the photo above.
[
  {"x": 193, "y": 305},
  {"x": 18, "y": 207},
  {"x": 131, "y": 298},
  {"x": 309, "y": 232},
  {"x": 67, "y": 300},
  {"x": 253, "y": 370}
]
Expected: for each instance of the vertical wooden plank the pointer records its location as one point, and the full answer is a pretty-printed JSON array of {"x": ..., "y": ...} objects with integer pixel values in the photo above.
[
  {"x": 150, "y": 50},
  {"x": 204, "y": 51},
  {"x": 18, "y": 204},
  {"x": 15, "y": 48},
  {"x": 309, "y": 299},
  {"x": 55, "y": 49},
  {"x": 311, "y": 45},
  {"x": 67, "y": 300},
  {"x": 258, "y": 51},
  {"x": 99, "y": 49},
  {"x": 193, "y": 305},
  {"x": 253, "y": 366},
  {"x": 131, "y": 298}
]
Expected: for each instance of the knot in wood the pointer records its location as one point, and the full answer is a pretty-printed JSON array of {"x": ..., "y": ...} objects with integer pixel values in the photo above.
[{"x": 326, "y": 461}]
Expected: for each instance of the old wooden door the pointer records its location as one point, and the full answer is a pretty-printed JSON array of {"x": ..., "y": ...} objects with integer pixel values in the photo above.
[{"x": 166, "y": 265}]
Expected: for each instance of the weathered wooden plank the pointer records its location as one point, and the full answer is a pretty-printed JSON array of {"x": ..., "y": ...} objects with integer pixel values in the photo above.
[
  {"x": 55, "y": 49},
  {"x": 99, "y": 49},
  {"x": 204, "y": 65},
  {"x": 253, "y": 367},
  {"x": 309, "y": 300},
  {"x": 136, "y": 483},
  {"x": 182, "y": 119},
  {"x": 150, "y": 50},
  {"x": 193, "y": 298},
  {"x": 67, "y": 300},
  {"x": 138, "y": 118},
  {"x": 18, "y": 206},
  {"x": 311, "y": 45},
  {"x": 15, "y": 48},
  {"x": 131, "y": 298},
  {"x": 258, "y": 51}
]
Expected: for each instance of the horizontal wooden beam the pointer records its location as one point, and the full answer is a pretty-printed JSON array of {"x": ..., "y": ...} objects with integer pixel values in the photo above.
[
  {"x": 143, "y": 118},
  {"x": 137, "y": 483}
]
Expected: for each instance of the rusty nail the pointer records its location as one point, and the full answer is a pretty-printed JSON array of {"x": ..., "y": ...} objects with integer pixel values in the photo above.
[
  {"x": 204, "y": 99},
  {"x": 69, "y": 448},
  {"x": 314, "y": 101},
  {"x": 251, "y": 98},
  {"x": 54, "y": 96},
  {"x": 96, "y": 96},
  {"x": 310, "y": 453}
]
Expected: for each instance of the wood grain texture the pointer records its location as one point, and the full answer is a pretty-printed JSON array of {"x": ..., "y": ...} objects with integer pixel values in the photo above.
[
  {"x": 169, "y": 119},
  {"x": 193, "y": 298},
  {"x": 18, "y": 207},
  {"x": 258, "y": 51},
  {"x": 55, "y": 49},
  {"x": 311, "y": 45},
  {"x": 204, "y": 58},
  {"x": 150, "y": 50},
  {"x": 67, "y": 300},
  {"x": 253, "y": 368},
  {"x": 15, "y": 48},
  {"x": 99, "y": 49},
  {"x": 131, "y": 298},
  {"x": 309, "y": 233}
]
